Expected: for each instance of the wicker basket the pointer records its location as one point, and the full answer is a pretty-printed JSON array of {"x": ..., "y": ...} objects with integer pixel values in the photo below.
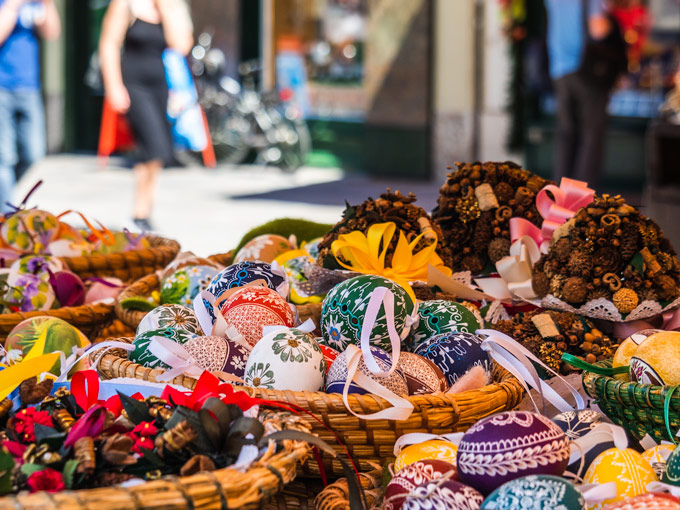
[
  {"x": 128, "y": 265},
  {"x": 336, "y": 495},
  {"x": 221, "y": 489},
  {"x": 367, "y": 440}
]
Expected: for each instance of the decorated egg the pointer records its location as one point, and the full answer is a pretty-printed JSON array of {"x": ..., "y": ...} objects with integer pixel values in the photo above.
[
  {"x": 57, "y": 334},
  {"x": 143, "y": 355},
  {"x": 455, "y": 354},
  {"x": 625, "y": 351},
  {"x": 439, "y": 316},
  {"x": 122, "y": 242},
  {"x": 422, "y": 375},
  {"x": 238, "y": 275},
  {"x": 329, "y": 354},
  {"x": 69, "y": 242},
  {"x": 413, "y": 475},
  {"x": 449, "y": 495},
  {"x": 170, "y": 316},
  {"x": 649, "y": 501},
  {"x": 627, "y": 468},
  {"x": 312, "y": 247},
  {"x": 578, "y": 424},
  {"x": 657, "y": 457},
  {"x": 344, "y": 309},
  {"x": 251, "y": 308},
  {"x": 294, "y": 263},
  {"x": 337, "y": 374},
  {"x": 29, "y": 231},
  {"x": 672, "y": 473},
  {"x": 29, "y": 292},
  {"x": 288, "y": 359},
  {"x": 510, "y": 445},
  {"x": 184, "y": 284},
  {"x": 435, "y": 449},
  {"x": 189, "y": 260},
  {"x": 545, "y": 492},
  {"x": 264, "y": 248},
  {"x": 657, "y": 360},
  {"x": 218, "y": 354}
]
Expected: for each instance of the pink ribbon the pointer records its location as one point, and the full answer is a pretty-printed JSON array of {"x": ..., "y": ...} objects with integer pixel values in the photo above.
[{"x": 667, "y": 321}]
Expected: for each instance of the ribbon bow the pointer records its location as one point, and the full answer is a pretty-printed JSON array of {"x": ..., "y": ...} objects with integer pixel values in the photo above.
[{"x": 366, "y": 254}]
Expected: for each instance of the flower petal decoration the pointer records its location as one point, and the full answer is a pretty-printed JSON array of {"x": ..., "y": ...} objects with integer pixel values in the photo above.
[{"x": 365, "y": 253}]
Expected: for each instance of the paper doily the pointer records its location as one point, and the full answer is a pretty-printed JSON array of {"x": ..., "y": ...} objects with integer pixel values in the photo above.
[{"x": 604, "y": 309}]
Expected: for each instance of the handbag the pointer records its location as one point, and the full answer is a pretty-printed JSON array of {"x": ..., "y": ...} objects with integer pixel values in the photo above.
[{"x": 93, "y": 75}]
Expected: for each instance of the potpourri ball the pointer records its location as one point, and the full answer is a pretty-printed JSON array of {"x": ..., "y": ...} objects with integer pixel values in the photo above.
[
  {"x": 344, "y": 309},
  {"x": 170, "y": 316},
  {"x": 264, "y": 248},
  {"x": 455, "y": 354},
  {"x": 510, "y": 445},
  {"x": 337, "y": 374},
  {"x": 218, "y": 354},
  {"x": 657, "y": 360},
  {"x": 423, "y": 377},
  {"x": 438, "y": 316},
  {"x": 288, "y": 359},
  {"x": 650, "y": 501},
  {"x": 544, "y": 492},
  {"x": 434, "y": 449},
  {"x": 184, "y": 284},
  {"x": 449, "y": 494},
  {"x": 141, "y": 353},
  {"x": 408, "y": 478}
]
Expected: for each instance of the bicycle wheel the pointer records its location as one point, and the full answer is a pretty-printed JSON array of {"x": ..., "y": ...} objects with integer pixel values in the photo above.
[{"x": 228, "y": 131}]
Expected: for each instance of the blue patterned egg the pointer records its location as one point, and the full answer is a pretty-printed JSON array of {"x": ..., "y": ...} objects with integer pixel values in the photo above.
[
  {"x": 344, "y": 309},
  {"x": 238, "y": 275},
  {"x": 440, "y": 316},
  {"x": 170, "y": 316},
  {"x": 184, "y": 284},
  {"x": 510, "y": 445},
  {"x": 141, "y": 353},
  {"x": 337, "y": 374},
  {"x": 578, "y": 424},
  {"x": 536, "y": 492},
  {"x": 455, "y": 354}
]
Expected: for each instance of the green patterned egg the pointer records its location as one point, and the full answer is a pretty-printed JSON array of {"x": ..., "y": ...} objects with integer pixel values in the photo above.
[
  {"x": 536, "y": 492},
  {"x": 344, "y": 309},
  {"x": 141, "y": 353},
  {"x": 439, "y": 316},
  {"x": 672, "y": 473}
]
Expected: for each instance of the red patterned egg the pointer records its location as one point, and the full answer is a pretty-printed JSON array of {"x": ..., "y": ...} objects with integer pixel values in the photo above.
[
  {"x": 413, "y": 475},
  {"x": 252, "y": 308},
  {"x": 509, "y": 445},
  {"x": 651, "y": 501},
  {"x": 329, "y": 354},
  {"x": 446, "y": 495}
]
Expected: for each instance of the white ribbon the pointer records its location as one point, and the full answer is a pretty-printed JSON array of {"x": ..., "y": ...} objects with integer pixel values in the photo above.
[
  {"x": 306, "y": 327},
  {"x": 648, "y": 442},
  {"x": 604, "y": 432},
  {"x": 673, "y": 490},
  {"x": 79, "y": 354},
  {"x": 421, "y": 437},
  {"x": 174, "y": 355},
  {"x": 595, "y": 493},
  {"x": 282, "y": 288},
  {"x": 385, "y": 297},
  {"x": 402, "y": 407},
  {"x": 516, "y": 359}
]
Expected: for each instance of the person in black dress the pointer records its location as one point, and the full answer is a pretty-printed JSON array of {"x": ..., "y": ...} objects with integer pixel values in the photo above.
[{"x": 134, "y": 35}]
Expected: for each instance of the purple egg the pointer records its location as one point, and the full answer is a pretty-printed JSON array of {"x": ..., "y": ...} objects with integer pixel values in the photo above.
[
  {"x": 510, "y": 445},
  {"x": 69, "y": 289}
]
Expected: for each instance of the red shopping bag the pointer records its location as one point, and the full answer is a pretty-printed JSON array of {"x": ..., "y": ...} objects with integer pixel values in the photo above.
[{"x": 115, "y": 134}]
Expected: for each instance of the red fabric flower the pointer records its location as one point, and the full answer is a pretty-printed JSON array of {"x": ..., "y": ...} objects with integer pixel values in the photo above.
[
  {"x": 24, "y": 423},
  {"x": 48, "y": 480},
  {"x": 144, "y": 429},
  {"x": 16, "y": 450},
  {"x": 145, "y": 443}
]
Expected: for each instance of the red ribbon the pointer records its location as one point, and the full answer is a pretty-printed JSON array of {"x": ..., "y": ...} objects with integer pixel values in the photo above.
[
  {"x": 85, "y": 390},
  {"x": 209, "y": 386}
]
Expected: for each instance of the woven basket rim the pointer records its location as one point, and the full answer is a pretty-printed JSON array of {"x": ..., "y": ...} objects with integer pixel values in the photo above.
[{"x": 94, "y": 313}]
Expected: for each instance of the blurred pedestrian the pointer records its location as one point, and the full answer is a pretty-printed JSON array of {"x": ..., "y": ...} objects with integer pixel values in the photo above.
[
  {"x": 22, "y": 116},
  {"x": 587, "y": 54},
  {"x": 134, "y": 35}
]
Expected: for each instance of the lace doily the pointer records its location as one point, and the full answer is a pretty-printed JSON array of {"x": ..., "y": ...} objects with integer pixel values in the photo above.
[
  {"x": 604, "y": 309},
  {"x": 496, "y": 312}
]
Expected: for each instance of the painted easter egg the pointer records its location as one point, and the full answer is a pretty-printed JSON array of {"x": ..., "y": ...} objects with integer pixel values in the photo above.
[
  {"x": 657, "y": 360},
  {"x": 251, "y": 308},
  {"x": 188, "y": 261},
  {"x": 69, "y": 242},
  {"x": 288, "y": 359},
  {"x": 30, "y": 230},
  {"x": 536, "y": 492},
  {"x": 436, "y": 449},
  {"x": 455, "y": 354},
  {"x": 239, "y": 275},
  {"x": 407, "y": 479},
  {"x": 103, "y": 289},
  {"x": 650, "y": 501},
  {"x": 122, "y": 242},
  {"x": 657, "y": 457},
  {"x": 218, "y": 354},
  {"x": 447, "y": 495},
  {"x": 510, "y": 445},
  {"x": 627, "y": 348},
  {"x": 170, "y": 316},
  {"x": 439, "y": 316},
  {"x": 184, "y": 284},
  {"x": 627, "y": 468},
  {"x": 672, "y": 473},
  {"x": 578, "y": 424},
  {"x": 264, "y": 248},
  {"x": 422, "y": 375},
  {"x": 57, "y": 334},
  {"x": 143, "y": 355},
  {"x": 29, "y": 282},
  {"x": 337, "y": 374},
  {"x": 312, "y": 247},
  {"x": 329, "y": 354},
  {"x": 294, "y": 263},
  {"x": 344, "y": 309}
]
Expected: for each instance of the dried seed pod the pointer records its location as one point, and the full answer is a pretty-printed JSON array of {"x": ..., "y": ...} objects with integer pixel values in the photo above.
[
  {"x": 625, "y": 300},
  {"x": 610, "y": 222},
  {"x": 574, "y": 290},
  {"x": 116, "y": 450},
  {"x": 503, "y": 213},
  {"x": 63, "y": 419},
  {"x": 612, "y": 281},
  {"x": 83, "y": 451},
  {"x": 197, "y": 464},
  {"x": 32, "y": 392},
  {"x": 499, "y": 247},
  {"x": 652, "y": 264},
  {"x": 176, "y": 438}
]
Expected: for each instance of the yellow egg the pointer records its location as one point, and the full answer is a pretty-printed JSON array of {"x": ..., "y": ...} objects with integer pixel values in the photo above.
[
  {"x": 657, "y": 360},
  {"x": 433, "y": 449},
  {"x": 627, "y": 348},
  {"x": 657, "y": 457},
  {"x": 627, "y": 468}
]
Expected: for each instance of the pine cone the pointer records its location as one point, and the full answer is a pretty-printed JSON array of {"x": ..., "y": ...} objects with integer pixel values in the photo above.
[
  {"x": 629, "y": 240},
  {"x": 665, "y": 259},
  {"x": 562, "y": 249},
  {"x": 608, "y": 259},
  {"x": 556, "y": 284},
  {"x": 473, "y": 264},
  {"x": 646, "y": 294},
  {"x": 666, "y": 288},
  {"x": 541, "y": 284},
  {"x": 498, "y": 248},
  {"x": 574, "y": 290},
  {"x": 580, "y": 264},
  {"x": 504, "y": 192},
  {"x": 483, "y": 233}
]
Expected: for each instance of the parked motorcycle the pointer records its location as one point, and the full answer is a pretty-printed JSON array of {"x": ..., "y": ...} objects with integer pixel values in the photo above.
[{"x": 243, "y": 120}]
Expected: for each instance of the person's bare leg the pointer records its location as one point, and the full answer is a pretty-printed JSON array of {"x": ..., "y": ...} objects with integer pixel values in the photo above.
[{"x": 145, "y": 188}]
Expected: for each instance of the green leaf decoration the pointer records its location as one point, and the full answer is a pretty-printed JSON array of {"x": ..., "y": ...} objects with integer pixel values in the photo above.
[
  {"x": 69, "y": 472},
  {"x": 638, "y": 263},
  {"x": 6, "y": 468},
  {"x": 136, "y": 410},
  {"x": 236, "y": 437},
  {"x": 184, "y": 413},
  {"x": 49, "y": 435},
  {"x": 29, "y": 469},
  {"x": 137, "y": 303}
]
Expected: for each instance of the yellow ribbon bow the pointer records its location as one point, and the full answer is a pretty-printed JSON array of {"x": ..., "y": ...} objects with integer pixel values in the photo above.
[{"x": 365, "y": 253}]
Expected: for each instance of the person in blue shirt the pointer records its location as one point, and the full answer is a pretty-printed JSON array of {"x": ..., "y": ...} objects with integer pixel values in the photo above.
[
  {"x": 22, "y": 118},
  {"x": 581, "y": 105}
]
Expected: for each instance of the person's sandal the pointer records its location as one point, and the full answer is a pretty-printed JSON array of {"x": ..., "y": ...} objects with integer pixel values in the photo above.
[{"x": 143, "y": 224}]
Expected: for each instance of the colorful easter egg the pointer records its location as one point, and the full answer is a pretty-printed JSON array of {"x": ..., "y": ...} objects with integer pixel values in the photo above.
[
  {"x": 29, "y": 293},
  {"x": 288, "y": 359},
  {"x": 422, "y": 375},
  {"x": 141, "y": 353},
  {"x": 510, "y": 445},
  {"x": 251, "y": 308},
  {"x": 329, "y": 354},
  {"x": 69, "y": 242},
  {"x": 29, "y": 231},
  {"x": 312, "y": 247},
  {"x": 625, "y": 351},
  {"x": 407, "y": 479},
  {"x": 672, "y": 473},
  {"x": 455, "y": 354},
  {"x": 103, "y": 289},
  {"x": 627, "y": 468},
  {"x": 657, "y": 457},
  {"x": 123, "y": 241},
  {"x": 439, "y": 316},
  {"x": 447, "y": 495},
  {"x": 435, "y": 449},
  {"x": 337, "y": 374},
  {"x": 57, "y": 335},
  {"x": 578, "y": 424},
  {"x": 218, "y": 354},
  {"x": 344, "y": 309},
  {"x": 294, "y": 263},
  {"x": 657, "y": 360},
  {"x": 239, "y": 275},
  {"x": 184, "y": 284},
  {"x": 650, "y": 501},
  {"x": 265, "y": 248},
  {"x": 189, "y": 260},
  {"x": 536, "y": 492},
  {"x": 170, "y": 316}
]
